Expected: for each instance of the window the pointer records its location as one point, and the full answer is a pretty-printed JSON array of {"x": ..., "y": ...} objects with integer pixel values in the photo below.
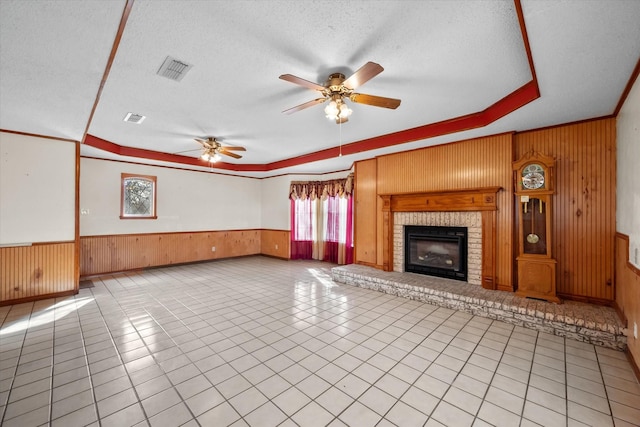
[
  {"x": 322, "y": 220},
  {"x": 138, "y": 199}
]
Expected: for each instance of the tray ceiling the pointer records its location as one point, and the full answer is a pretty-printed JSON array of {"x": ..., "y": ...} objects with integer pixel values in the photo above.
[{"x": 444, "y": 60}]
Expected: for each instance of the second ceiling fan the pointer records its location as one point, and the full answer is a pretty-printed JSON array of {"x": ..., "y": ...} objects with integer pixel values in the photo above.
[
  {"x": 212, "y": 150},
  {"x": 337, "y": 88}
]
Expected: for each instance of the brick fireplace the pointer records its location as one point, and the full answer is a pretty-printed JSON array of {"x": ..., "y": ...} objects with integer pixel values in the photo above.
[{"x": 471, "y": 208}]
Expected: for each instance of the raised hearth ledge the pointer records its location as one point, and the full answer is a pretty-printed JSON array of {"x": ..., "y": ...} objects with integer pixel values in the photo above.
[{"x": 588, "y": 323}]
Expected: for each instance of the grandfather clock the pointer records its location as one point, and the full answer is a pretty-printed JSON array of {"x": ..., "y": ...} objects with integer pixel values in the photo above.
[{"x": 534, "y": 189}]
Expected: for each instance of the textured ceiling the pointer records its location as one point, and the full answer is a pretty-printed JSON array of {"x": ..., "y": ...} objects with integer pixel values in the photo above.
[{"x": 443, "y": 59}]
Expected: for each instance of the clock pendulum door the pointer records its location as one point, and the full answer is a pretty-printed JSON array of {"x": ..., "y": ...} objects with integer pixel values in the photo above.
[
  {"x": 532, "y": 237},
  {"x": 536, "y": 268}
]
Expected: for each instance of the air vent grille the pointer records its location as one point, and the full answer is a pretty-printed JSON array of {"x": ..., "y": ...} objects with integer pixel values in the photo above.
[
  {"x": 134, "y": 118},
  {"x": 174, "y": 69}
]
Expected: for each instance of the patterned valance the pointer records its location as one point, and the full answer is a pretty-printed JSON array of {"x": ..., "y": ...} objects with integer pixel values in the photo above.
[{"x": 322, "y": 189}]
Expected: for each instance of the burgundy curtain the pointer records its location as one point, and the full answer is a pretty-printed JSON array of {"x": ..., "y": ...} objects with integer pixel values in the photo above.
[
  {"x": 301, "y": 230},
  {"x": 332, "y": 233},
  {"x": 349, "y": 242}
]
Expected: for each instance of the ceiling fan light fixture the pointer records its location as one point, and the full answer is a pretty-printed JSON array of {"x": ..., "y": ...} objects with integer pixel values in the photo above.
[
  {"x": 331, "y": 110},
  {"x": 337, "y": 109},
  {"x": 345, "y": 111},
  {"x": 211, "y": 155}
]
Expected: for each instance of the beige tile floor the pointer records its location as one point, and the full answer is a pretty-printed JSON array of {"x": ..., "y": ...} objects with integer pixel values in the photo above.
[{"x": 263, "y": 342}]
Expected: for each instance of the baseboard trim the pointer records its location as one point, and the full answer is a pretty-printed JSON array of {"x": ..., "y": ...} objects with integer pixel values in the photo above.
[
  {"x": 38, "y": 297},
  {"x": 621, "y": 314},
  {"x": 633, "y": 364},
  {"x": 588, "y": 300}
]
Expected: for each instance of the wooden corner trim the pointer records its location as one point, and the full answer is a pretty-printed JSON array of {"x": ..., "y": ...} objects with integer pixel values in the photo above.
[{"x": 630, "y": 266}]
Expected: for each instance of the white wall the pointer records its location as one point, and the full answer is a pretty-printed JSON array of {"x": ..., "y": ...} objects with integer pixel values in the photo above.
[
  {"x": 186, "y": 200},
  {"x": 628, "y": 179},
  {"x": 37, "y": 189},
  {"x": 276, "y": 211}
]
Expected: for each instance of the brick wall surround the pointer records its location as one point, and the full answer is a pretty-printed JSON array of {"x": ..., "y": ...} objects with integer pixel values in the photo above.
[{"x": 471, "y": 220}]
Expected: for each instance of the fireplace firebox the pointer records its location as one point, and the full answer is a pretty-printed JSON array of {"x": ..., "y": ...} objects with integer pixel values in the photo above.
[{"x": 436, "y": 251}]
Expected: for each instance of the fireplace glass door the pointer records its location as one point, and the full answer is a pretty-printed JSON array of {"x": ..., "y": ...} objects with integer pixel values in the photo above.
[{"x": 436, "y": 251}]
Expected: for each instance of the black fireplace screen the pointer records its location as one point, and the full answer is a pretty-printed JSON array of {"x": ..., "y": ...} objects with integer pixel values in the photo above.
[{"x": 436, "y": 251}]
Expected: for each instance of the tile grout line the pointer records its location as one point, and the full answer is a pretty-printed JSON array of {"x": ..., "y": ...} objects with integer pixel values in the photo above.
[
  {"x": 526, "y": 392},
  {"x": 604, "y": 386},
  {"x": 123, "y": 364},
  {"x": 513, "y": 327},
  {"x": 388, "y": 372},
  {"x": 566, "y": 381},
  {"x": 4, "y": 412}
]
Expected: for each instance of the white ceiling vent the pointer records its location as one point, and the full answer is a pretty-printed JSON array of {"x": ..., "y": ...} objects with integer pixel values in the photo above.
[
  {"x": 174, "y": 69},
  {"x": 134, "y": 118}
]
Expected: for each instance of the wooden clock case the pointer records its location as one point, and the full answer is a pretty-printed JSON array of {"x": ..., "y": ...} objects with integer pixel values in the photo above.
[{"x": 535, "y": 264}]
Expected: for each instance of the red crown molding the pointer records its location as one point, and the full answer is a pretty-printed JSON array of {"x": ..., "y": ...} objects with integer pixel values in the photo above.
[
  {"x": 510, "y": 103},
  {"x": 506, "y": 105}
]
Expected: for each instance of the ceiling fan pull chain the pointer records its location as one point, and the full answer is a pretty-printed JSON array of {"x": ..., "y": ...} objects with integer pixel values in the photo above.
[{"x": 340, "y": 126}]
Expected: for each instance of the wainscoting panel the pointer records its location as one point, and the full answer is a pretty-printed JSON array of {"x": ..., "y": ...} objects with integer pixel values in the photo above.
[
  {"x": 28, "y": 272},
  {"x": 628, "y": 295},
  {"x": 275, "y": 243},
  {"x": 584, "y": 205},
  {"x": 106, "y": 254},
  {"x": 482, "y": 162},
  {"x": 365, "y": 205}
]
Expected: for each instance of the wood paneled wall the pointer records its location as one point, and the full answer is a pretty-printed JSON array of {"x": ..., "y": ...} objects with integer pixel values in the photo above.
[
  {"x": 584, "y": 205},
  {"x": 365, "y": 206},
  {"x": 107, "y": 254},
  {"x": 482, "y": 162},
  {"x": 275, "y": 243},
  {"x": 29, "y": 272},
  {"x": 628, "y": 294}
]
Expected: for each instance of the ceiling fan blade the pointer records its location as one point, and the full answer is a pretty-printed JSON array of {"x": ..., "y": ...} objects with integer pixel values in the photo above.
[
  {"x": 226, "y": 147},
  {"x": 376, "y": 101},
  {"x": 206, "y": 144},
  {"x": 363, "y": 75},
  {"x": 305, "y": 105},
  {"x": 302, "y": 82},
  {"x": 187, "y": 151},
  {"x": 229, "y": 153}
]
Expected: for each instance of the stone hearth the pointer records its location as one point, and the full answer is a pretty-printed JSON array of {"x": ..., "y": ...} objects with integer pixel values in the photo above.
[{"x": 582, "y": 322}]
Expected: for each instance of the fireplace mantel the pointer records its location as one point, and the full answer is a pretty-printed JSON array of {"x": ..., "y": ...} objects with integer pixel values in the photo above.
[{"x": 470, "y": 199}]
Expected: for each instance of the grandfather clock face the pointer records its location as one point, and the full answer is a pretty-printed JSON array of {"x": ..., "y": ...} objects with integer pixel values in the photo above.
[{"x": 533, "y": 177}]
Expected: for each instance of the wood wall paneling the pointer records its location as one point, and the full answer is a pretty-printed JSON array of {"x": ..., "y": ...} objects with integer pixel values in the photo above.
[
  {"x": 628, "y": 295},
  {"x": 276, "y": 243},
  {"x": 27, "y": 272},
  {"x": 584, "y": 204},
  {"x": 365, "y": 198},
  {"x": 107, "y": 254},
  {"x": 482, "y": 162}
]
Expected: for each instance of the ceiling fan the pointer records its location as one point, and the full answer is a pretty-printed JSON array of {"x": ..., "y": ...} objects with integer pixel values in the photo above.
[
  {"x": 337, "y": 88},
  {"x": 212, "y": 150}
]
